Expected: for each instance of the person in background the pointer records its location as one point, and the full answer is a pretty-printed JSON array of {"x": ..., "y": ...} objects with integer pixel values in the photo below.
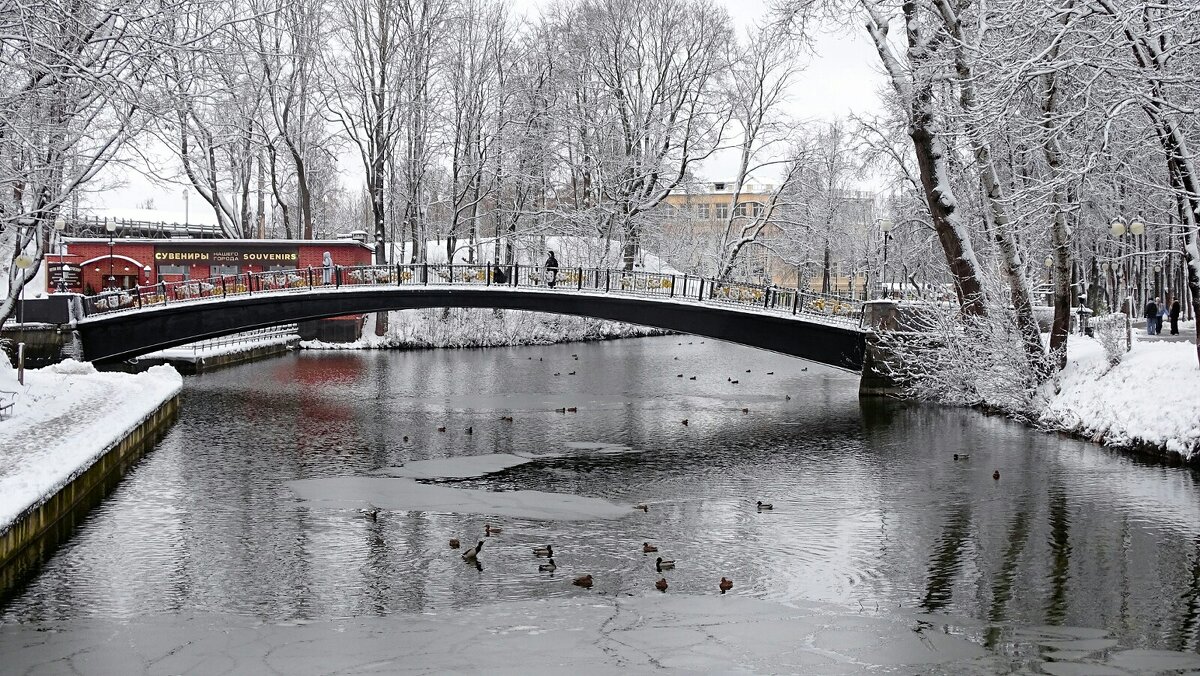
[
  {"x": 326, "y": 268},
  {"x": 1162, "y": 316},
  {"x": 1151, "y": 315},
  {"x": 551, "y": 270},
  {"x": 498, "y": 276},
  {"x": 1174, "y": 314}
]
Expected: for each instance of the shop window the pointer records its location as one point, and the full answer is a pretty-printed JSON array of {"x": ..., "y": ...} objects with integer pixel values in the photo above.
[
  {"x": 181, "y": 271},
  {"x": 224, "y": 270}
]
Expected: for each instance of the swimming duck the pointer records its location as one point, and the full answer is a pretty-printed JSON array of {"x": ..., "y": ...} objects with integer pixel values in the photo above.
[
  {"x": 489, "y": 529},
  {"x": 725, "y": 585},
  {"x": 787, "y": 397},
  {"x": 558, "y": 374},
  {"x": 442, "y": 429},
  {"x": 506, "y": 418},
  {"x": 453, "y": 543},
  {"x": 473, "y": 553},
  {"x": 765, "y": 505},
  {"x": 733, "y": 382},
  {"x": 548, "y": 567},
  {"x": 770, "y": 373},
  {"x": 679, "y": 375},
  {"x": 548, "y": 550},
  {"x": 560, "y": 410},
  {"x": 683, "y": 422},
  {"x": 661, "y": 564},
  {"x": 661, "y": 585},
  {"x": 745, "y": 410},
  {"x": 571, "y": 373},
  {"x": 747, "y": 370},
  {"x": 647, "y": 548},
  {"x": 692, "y": 378},
  {"x": 471, "y": 430},
  {"x": 644, "y": 507},
  {"x": 996, "y": 475},
  {"x": 572, "y": 409},
  {"x": 583, "y": 581},
  {"x": 406, "y": 438},
  {"x": 372, "y": 513},
  {"x": 804, "y": 369},
  {"x": 961, "y": 456}
]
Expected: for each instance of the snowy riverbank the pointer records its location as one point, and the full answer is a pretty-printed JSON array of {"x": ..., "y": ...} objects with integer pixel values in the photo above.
[
  {"x": 64, "y": 418},
  {"x": 1150, "y": 400},
  {"x": 459, "y": 327}
]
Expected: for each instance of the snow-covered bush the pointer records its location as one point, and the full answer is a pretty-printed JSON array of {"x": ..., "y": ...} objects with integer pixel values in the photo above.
[
  {"x": 963, "y": 361},
  {"x": 1110, "y": 332}
]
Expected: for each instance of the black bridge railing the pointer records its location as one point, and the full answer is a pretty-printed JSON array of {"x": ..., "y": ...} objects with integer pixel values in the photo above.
[{"x": 765, "y": 298}]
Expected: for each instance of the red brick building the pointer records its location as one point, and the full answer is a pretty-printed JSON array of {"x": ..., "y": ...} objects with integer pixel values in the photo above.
[{"x": 92, "y": 265}]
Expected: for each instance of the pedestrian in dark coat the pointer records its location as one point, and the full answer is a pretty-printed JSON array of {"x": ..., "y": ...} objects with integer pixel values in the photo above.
[
  {"x": 1151, "y": 317},
  {"x": 1175, "y": 317},
  {"x": 551, "y": 270}
]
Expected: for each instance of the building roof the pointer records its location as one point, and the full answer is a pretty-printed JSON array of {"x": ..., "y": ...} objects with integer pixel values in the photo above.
[{"x": 221, "y": 243}]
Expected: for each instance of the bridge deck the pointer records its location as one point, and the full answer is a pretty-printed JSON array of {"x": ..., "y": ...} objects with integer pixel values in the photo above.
[{"x": 121, "y": 325}]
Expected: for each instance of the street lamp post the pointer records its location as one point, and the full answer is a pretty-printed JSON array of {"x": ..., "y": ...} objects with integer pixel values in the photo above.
[
  {"x": 111, "y": 227},
  {"x": 1118, "y": 229},
  {"x": 885, "y": 226},
  {"x": 60, "y": 226}
]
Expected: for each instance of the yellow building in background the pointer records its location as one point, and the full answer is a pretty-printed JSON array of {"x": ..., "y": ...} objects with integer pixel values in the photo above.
[{"x": 696, "y": 218}]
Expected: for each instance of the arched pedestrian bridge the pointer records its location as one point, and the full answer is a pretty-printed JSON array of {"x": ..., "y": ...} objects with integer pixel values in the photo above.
[{"x": 129, "y": 323}]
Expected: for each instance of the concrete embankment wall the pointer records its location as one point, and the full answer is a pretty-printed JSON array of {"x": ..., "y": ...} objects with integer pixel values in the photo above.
[
  {"x": 196, "y": 365},
  {"x": 39, "y": 529}
]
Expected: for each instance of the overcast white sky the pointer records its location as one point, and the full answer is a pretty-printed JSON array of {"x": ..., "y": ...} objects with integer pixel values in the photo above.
[{"x": 842, "y": 78}]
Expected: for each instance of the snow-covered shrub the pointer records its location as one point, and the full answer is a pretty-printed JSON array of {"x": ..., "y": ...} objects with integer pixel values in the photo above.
[
  {"x": 1110, "y": 332},
  {"x": 963, "y": 361}
]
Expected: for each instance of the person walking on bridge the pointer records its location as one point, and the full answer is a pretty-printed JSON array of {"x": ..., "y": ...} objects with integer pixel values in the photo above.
[
  {"x": 551, "y": 270},
  {"x": 327, "y": 268}
]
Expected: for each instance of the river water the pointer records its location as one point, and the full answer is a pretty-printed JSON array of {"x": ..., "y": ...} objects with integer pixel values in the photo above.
[{"x": 871, "y": 510}]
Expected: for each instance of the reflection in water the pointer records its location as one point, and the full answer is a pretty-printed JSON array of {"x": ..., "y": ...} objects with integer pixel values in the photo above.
[
  {"x": 871, "y": 511},
  {"x": 1060, "y": 555}
]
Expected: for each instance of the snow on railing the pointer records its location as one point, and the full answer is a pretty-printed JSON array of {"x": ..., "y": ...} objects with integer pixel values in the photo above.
[{"x": 767, "y": 298}]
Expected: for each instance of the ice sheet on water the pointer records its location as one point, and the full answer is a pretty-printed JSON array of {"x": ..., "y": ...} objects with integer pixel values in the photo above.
[
  {"x": 406, "y": 494},
  {"x": 465, "y": 467}
]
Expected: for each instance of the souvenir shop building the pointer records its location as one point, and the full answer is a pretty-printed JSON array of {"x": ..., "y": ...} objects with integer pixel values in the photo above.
[{"x": 92, "y": 265}]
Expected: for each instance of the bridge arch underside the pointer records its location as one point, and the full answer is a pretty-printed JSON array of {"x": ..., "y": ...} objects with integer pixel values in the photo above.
[{"x": 132, "y": 334}]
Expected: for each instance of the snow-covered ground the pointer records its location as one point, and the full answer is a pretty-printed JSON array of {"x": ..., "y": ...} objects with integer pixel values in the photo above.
[
  {"x": 1151, "y": 397},
  {"x": 460, "y": 327},
  {"x": 66, "y": 416}
]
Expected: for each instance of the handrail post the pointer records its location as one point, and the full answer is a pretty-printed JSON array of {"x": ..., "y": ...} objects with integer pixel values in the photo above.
[
  {"x": 249, "y": 283},
  {"x": 398, "y": 273},
  {"x": 516, "y": 271},
  {"x": 606, "y": 280},
  {"x": 795, "y": 300},
  {"x": 579, "y": 280},
  {"x": 766, "y": 297},
  {"x": 451, "y": 265},
  {"x": 672, "y": 286},
  {"x": 337, "y": 276},
  {"x": 163, "y": 287},
  {"x": 700, "y": 295},
  {"x": 487, "y": 274},
  {"x": 310, "y": 276},
  {"x": 425, "y": 273},
  {"x": 137, "y": 291},
  {"x": 222, "y": 286}
]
